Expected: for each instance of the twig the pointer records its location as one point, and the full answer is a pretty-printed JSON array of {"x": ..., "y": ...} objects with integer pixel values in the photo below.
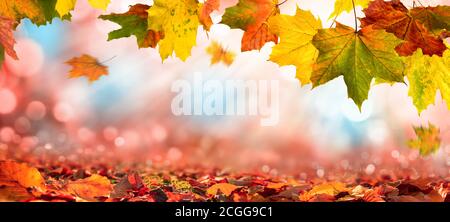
[
  {"x": 354, "y": 12},
  {"x": 281, "y": 3}
]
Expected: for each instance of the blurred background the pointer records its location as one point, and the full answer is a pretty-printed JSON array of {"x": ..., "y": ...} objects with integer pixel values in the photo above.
[{"x": 126, "y": 116}]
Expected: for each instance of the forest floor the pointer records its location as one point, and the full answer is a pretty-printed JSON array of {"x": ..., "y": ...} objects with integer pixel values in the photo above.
[{"x": 141, "y": 183}]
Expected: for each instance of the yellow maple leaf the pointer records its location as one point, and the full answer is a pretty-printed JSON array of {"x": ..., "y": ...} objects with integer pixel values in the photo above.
[
  {"x": 295, "y": 47},
  {"x": 219, "y": 54},
  {"x": 179, "y": 21},
  {"x": 88, "y": 66},
  {"x": 426, "y": 75},
  {"x": 63, "y": 7},
  {"x": 341, "y": 6},
  {"x": 99, "y": 4}
]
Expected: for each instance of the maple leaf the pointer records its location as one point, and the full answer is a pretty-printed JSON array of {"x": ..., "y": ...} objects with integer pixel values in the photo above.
[
  {"x": 358, "y": 56},
  {"x": 99, "y": 4},
  {"x": 225, "y": 188},
  {"x": 252, "y": 16},
  {"x": 325, "y": 192},
  {"x": 14, "y": 193},
  {"x": 332, "y": 189},
  {"x": 88, "y": 66},
  {"x": 219, "y": 54},
  {"x": 395, "y": 18},
  {"x": 7, "y": 38},
  {"x": 90, "y": 188},
  {"x": 341, "y": 6},
  {"x": 63, "y": 7},
  {"x": 426, "y": 75},
  {"x": 295, "y": 47},
  {"x": 21, "y": 173},
  {"x": 134, "y": 22},
  {"x": 428, "y": 140},
  {"x": 40, "y": 12},
  {"x": 205, "y": 11},
  {"x": 179, "y": 21},
  {"x": 128, "y": 183},
  {"x": 435, "y": 19}
]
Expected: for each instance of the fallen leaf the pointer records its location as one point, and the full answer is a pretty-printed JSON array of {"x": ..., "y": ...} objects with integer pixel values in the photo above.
[
  {"x": 372, "y": 196},
  {"x": 332, "y": 189},
  {"x": 225, "y": 188},
  {"x": 90, "y": 188},
  {"x": 88, "y": 66},
  {"x": 11, "y": 171},
  {"x": 128, "y": 183},
  {"x": 14, "y": 193}
]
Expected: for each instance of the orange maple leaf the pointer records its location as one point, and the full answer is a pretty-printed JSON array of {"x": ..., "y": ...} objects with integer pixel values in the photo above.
[
  {"x": 12, "y": 173},
  {"x": 225, "y": 188},
  {"x": 91, "y": 187},
  {"x": 88, "y": 66},
  {"x": 252, "y": 16},
  {"x": 219, "y": 54},
  {"x": 205, "y": 11}
]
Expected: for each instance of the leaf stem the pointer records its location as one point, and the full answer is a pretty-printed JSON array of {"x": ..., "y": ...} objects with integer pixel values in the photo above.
[
  {"x": 105, "y": 61},
  {"x": 281, "y": 3},
  {"x": 356, "y": 19}
]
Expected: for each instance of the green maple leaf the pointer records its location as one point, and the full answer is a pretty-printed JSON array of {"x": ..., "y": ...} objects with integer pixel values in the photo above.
[
  {"x": 358, "y": 56},
  {"x": 134, "y": 22}
]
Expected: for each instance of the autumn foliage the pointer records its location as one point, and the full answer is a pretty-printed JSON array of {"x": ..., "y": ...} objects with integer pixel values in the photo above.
[{"x": 391, "y": 43}]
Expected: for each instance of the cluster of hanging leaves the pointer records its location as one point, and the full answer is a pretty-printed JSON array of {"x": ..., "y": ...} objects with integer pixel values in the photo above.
[
  {"x": 39, "y": 12},
  {"x": 392, "y": 43},
  {"x": 65, "y": 182}
]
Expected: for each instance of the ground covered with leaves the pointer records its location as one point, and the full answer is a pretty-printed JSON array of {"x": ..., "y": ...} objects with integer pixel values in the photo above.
[{"x": 140, "y": 183}]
